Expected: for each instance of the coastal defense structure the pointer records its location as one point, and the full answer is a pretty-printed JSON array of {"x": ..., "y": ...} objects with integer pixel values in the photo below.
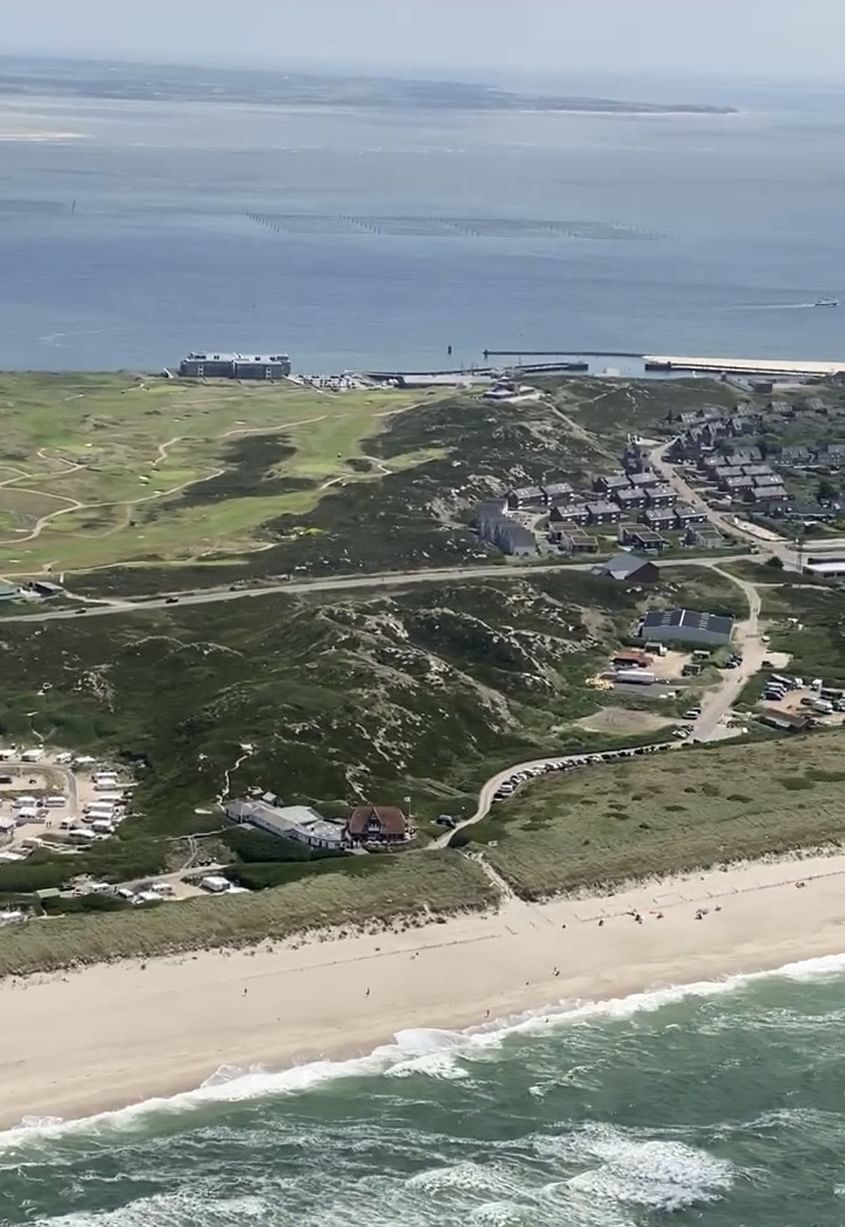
[{"x": 235, "y": 366}]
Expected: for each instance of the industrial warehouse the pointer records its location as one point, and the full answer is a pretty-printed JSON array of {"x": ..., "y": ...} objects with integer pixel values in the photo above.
[{"x": 686, "y": 626}]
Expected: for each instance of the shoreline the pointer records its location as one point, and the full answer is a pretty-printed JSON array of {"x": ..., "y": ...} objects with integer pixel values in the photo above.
[{"x": 116, "y": 1036}]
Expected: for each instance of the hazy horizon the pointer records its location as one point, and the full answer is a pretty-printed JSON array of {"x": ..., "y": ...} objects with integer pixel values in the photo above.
[{"x": 701, "y": 39}]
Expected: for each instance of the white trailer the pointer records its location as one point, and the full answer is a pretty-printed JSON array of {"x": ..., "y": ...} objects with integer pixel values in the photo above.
[{"x": 639, "y": 677}]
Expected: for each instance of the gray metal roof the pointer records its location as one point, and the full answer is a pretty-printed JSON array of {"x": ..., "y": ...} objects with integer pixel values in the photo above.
[
  {"x": 621, "y": 565},
  {"x": 692, "y": 618}
]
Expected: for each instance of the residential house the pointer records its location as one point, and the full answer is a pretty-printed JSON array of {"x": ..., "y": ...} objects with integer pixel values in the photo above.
[
  {"x": 746, "y": 455},
  {"x": 641, "y": 539},
  {"x": 726, "y": 471},
  {"x": 575, "y": 541},
  {"x": 661, "y": 495},
  {"x": 603, "y": 513},
  {"x": 526, "y": 496},
  {"x": 378, "y": 824},
  {"x": 797, "y": 455},
  {"x": 631, "y": 498},
  {"x": 646, "y": 478},
  {"x": 757, "y": 470},
  {"x": 704, "y": 537},
  {"x": 767, "y": 496},
  {"x": 557, "y": 491},
  {"x": 812, "y": 513},
  {"x": 574, "y": 513},
  {"x": 610, "y": 482},
  {"x": 832, "y": 456},
  {"x": 761, "y": 479},
  {"x": 736, "y": 486},
  {"x": 745, "y": 423},
  {"x": 685, "y": 514},
  {"x": 659, "y": 519}
]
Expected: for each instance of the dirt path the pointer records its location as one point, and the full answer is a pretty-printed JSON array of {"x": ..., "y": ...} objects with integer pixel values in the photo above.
[{"x": 164, "y": 448}]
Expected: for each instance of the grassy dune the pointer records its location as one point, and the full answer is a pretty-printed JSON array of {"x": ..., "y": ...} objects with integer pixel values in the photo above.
[
  {"x": 380, "y": 891},
  {"x": 663, "y": 814}
]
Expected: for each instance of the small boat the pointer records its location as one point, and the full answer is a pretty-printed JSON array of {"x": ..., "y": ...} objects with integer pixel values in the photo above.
[{"x": 826, "y": 302}]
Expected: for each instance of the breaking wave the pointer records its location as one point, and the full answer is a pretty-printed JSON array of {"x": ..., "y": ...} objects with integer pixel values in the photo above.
[{"x": 430, "y": 1052}]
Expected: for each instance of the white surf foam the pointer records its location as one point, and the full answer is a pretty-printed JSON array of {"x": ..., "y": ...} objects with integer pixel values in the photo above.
[
  {"x": 661, "y": 1175},
  {"x": 432, "y": 1049},
  {"x": 183, "y": 1208}
]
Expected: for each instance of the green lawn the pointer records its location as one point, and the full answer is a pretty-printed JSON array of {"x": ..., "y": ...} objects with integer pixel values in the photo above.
[{"x": 137, "y": 456}]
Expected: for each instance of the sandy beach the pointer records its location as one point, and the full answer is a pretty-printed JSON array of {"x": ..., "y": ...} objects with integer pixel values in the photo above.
[{"x": 113, "y": 1035}]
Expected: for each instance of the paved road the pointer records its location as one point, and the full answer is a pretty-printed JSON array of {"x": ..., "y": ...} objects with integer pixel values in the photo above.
[
  {"x": 753, "y": 650},
  {"x": 339, "y": 583}
]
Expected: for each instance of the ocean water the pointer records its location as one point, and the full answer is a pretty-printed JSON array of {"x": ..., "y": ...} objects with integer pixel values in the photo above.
[
  {"x": 722, "y": 1104},
  {"x": 377, "y": 238}
]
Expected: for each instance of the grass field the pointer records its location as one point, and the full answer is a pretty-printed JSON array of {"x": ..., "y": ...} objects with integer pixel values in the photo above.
[
  {"x": 400, "y": 890},
  {"x": 102, "y": 469},
  {"x": 667, "y": 813}
]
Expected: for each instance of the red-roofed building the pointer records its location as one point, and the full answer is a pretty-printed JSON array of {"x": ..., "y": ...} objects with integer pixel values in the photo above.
[{"x": 378, "y": 824}]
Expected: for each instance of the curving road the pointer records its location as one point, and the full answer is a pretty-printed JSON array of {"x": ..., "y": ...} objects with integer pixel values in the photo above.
[{"x": 559, "y": 762}]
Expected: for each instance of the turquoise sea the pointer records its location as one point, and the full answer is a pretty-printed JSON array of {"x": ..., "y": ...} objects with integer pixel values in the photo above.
[{"x": 722, "y": 1104}]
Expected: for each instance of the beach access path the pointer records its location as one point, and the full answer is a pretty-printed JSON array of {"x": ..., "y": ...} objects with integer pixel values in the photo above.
[{"x": 132, "y": 1031}]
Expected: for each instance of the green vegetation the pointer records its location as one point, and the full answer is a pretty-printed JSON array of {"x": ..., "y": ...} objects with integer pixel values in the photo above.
[
  {"x": 102, "y": 469},
  {"x": 388, "y": 890},
  {"x": 426, "y": 692},
  {"x": 133, "y": 485},
  {"x": 815, "y": 635},
  {"x": 668, "y": 813}
]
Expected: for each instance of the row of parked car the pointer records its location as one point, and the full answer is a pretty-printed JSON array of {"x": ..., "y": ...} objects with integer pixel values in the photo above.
[{"x": 513, "y": 782}]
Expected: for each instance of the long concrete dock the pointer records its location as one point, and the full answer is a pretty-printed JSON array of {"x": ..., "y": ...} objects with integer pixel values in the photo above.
[{"x": 776, "y": 367}]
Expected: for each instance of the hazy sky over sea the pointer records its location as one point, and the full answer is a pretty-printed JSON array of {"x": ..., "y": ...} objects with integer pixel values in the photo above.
[{"x": 759, "y": 38}]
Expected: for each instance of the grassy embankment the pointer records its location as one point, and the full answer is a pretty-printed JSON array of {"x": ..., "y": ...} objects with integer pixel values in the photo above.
[
  {"x": 377, "y": 892},
  {"x": 665, "y": 814}
]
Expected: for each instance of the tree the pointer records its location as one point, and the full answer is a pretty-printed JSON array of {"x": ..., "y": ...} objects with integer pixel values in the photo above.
[{"x": 826, "y": 492}]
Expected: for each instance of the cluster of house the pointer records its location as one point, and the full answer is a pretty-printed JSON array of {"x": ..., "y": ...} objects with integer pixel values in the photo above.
[
  {"x": 364, "y": 824},
  {"x": 713, "y": 442},
  {"x": 634, "y": 500},
  {"x": 638, "y": 502}
]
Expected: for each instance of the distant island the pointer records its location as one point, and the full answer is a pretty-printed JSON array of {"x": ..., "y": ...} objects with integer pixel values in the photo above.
[{"x": 167, "y": 83}]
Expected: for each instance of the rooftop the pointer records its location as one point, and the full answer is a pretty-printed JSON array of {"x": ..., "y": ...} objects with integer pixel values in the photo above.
[
  {"x": 690, "y": 619},
  {"x": 621, "y": 565},
  {"x": 198, "y": 357},
  {"x": 386, "y": 819}
]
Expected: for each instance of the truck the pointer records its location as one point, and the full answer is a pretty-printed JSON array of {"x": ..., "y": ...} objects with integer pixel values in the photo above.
[{"x": 639, "y": 677}]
